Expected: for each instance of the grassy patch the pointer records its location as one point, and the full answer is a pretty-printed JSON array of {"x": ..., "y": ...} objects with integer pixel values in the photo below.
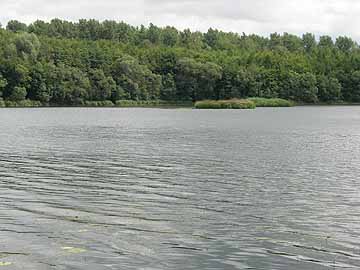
[
  {"x": 152, "y": 103},
  {"x": 21, "y": 104},
  {"x": 271, "y": 102},
  {"x": 105, "y": 103},
  {"x": 225, "y": 104}
]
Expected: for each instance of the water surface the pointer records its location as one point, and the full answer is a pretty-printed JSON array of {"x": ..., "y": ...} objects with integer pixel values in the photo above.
[{"x": 180, "y": 189}]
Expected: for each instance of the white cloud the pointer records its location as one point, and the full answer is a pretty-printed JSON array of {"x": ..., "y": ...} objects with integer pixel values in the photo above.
[{"x": 332, "y": 17}]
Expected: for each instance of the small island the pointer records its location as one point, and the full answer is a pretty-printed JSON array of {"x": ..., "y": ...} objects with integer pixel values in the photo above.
[{"x": 250, "y": 103}]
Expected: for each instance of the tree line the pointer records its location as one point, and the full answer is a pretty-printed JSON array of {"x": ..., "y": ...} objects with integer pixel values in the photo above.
[{"x": 68, "y": 63}]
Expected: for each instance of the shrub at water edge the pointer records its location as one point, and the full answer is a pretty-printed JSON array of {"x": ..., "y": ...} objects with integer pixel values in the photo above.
[
  {"x": 225, "y": 104},
  {"x": 271, "y": 102},
  {"x": 152, "y": 103}
]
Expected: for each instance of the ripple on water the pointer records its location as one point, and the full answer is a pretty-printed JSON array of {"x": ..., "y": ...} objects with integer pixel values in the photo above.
[{"x": 180, "y": 189}]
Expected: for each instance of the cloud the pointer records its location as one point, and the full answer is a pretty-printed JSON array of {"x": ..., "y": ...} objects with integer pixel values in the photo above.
[
  {"x": 30, "y": 10},
  {"x": 331, "y": 17}
]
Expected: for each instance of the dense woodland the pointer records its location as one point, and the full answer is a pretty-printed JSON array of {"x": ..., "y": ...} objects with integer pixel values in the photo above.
[{"x": 66, "y": 63}]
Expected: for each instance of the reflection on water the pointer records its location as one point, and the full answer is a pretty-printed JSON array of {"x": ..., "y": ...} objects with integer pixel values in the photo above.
[{"x": 180, "y": 189}]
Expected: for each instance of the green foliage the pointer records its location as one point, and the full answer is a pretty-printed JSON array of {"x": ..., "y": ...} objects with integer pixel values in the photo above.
[
  {"x": 168, "y": 91},
  {"x": 23, "y": 103},
  {"x": 326, "y": 42},
  {"x": 137, "y": 80},
  {"x": 345, "y": 44},
  {"x": 68, "y": 85},
  {"x": 3, "y": 84},
  {"x": 137, "y": 103},
  {"x": 16, "y": 26},
  {"x": 152, "y": 103},
  {"x": 104, "y": 103},
  {"x": 18, "y": 94},
  {"x": 92, "y": 63},
  {"x": 329, "y": 89},
  {"x": 225, "y": 104},
  {"x": 351, "y": 86},
  {"x": 300, "y": 87},
  {"x": 271, "y": 102},
  {"x": 196, "y": 80},
  {"x": 309, "y": 42},
  {"x": 27, "y": 45},
  {"x": 102, "y": 86}
]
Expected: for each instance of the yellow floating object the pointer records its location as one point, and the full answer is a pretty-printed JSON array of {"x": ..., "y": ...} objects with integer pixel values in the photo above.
[{"x": 74, "y": 250}]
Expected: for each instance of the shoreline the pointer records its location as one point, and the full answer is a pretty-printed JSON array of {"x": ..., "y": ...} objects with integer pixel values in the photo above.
[
  {"x": 173, "y": 105},
  {"x": 170, "y": 107},
  {"x": 327, "y": 104}
]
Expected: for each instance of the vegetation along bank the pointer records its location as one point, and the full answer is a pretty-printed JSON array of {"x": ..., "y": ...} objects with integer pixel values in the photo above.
[{"x": 92, "y": 63}]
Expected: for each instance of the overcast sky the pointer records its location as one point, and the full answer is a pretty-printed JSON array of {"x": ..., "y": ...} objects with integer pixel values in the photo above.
[{"x": 332, "y": 17}]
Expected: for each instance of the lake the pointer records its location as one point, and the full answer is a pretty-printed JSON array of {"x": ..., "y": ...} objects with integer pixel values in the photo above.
[{"x": 89, "y": 188}]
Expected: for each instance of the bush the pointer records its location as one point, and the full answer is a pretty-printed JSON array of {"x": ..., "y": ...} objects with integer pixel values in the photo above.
[
  {"x": 18, "y": 94},
  {"x": 271, "y": 102},
  {"x": 152, "y": 103},
  {"x": 23, "y": 103},
  {"x": 170, "y": 103},
  {"x": 104, "y": 103},
  {"x": 126, "y": 103}
]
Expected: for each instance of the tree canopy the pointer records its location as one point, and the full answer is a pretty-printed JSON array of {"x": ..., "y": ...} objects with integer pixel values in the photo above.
[{"x": 70, "y": 63}]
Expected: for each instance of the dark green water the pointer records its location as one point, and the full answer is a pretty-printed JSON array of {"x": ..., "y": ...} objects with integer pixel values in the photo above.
[{"x": 180, "y": 189}]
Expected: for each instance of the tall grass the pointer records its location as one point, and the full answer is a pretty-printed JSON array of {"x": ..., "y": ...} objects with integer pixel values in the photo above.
[
  {"x": 152, "y": 103},
  {"x": 21, "y": 104},
  {"x": 225, "y": 104},
  {"x": 271, "y": 102},
  {"x": 103, "y": 103}
]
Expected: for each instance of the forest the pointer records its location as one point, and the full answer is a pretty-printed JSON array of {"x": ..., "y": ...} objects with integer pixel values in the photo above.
[{"x": 103, "y": 63}]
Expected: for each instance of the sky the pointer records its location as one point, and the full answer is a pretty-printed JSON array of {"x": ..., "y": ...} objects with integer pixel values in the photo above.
[{"x": 321, "y": 17}]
